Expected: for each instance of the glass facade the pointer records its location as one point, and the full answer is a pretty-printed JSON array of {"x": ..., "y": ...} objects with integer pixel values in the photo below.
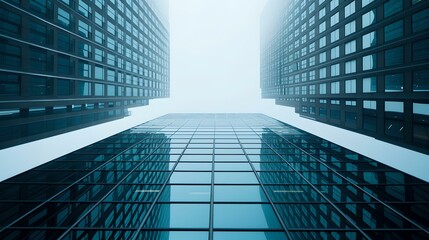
[
  {"x": 214, "y": 177},
  {"x": 381, "y": 45},
  {"x": 69, "y": 64}
]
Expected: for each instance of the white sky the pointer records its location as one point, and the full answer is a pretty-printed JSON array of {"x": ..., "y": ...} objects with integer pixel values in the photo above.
[{"x": 214, "y": 68}]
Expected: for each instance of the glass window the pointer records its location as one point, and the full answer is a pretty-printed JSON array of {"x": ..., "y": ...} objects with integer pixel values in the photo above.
[
  {"x": 369, "y": 104},
  {"x": 322, "y": 57},
  {"x": 366, "y": 2},
  {"x": 249, "y": 235},
  {"x": 421, "y": 21},
  {"x": 64, "y": 18},
  {"x": 9, "y": 84},
  {"x": 393, "y": 31},
  {"x": 335, "y": 52},
  {"x": 322, "y": 42},
  {"x": 351, "y": 86},
  {"x": 235, "y": 177},
  {"x": 335, "y": 35},
  {"x": 350, "y": 66},
  {"x": 65, "y": 87},
  {"x": 334, "y": 4},
  {"x": 84, "y": 89},
  {"x": 350, "y": 28},
  {"x": 84, "y": 29},
  {"x": 84, "y": 9},
  {"x": 369, "y": 62},
  {"x": 350, "y": 47},
  {"x": 322, "y": 88},
  {"x": 394, "y": 83},
  {"x": 335, "y": 87},
  {"x": 335, "y": 19},
  {"x": 11, "y": 22},
  {"x": 239, "y": 194},
  {"x": 322, "y": 13},
  {"x": 421, "y": 50},
  {"x": 186, "y": 193},
  {"x": 99, "y": 89},
  {"x": 322, "y": 73},
  {"x": 99, "y": 73},
  {"x": 335, "y": 70},
  {"x": 391, "y": 7},
  {"x": 40, "y": 86},
  {"x": 369, "y": 40},
  {"x": 179, "y": 216},
  {"x": 245, "y": 216},
  {"x": 191, "y": 177},
  {"x": 369, "y": 85},
  {"x": 421, "y": 81},
  {"x": 394, "y": 56},
  {"x": 349, "y": 9},
  {"x": 84, "y": 69},
  {"x": 10, "y": 54},
  {"x": 322, "y": 27},
  {"x": 368, "y": 18}
]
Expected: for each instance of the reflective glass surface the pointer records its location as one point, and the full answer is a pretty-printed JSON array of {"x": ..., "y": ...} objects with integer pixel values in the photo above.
[{"x": 291, "y": 185}]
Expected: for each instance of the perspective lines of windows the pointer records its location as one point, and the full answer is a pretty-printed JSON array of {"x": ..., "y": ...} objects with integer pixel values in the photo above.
[
  {"x": 214, "y": 176},
  {"x": 328, "y": 57}
]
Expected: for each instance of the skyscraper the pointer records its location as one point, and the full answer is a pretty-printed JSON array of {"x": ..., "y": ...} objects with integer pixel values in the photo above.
[
  {"x": 69, "y": 64},
  {"x": 217, "y": 177},
  {"x": 361, "y": 65}
]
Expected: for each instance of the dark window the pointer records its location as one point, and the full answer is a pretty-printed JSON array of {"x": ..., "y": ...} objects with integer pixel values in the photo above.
[
  {"x": 391, "y": 7},
  {"x": 370, "y": 119},
  {"x": 421, "y": 81},
  {"x": 38, "y": 59},
  {"x": 84, "y": 89},
  {"x": 421, "y": 50},
  {"x": 40, "y": 86},
  {"x": 65, "y": 42},
  {"x": 394, "y": 56},
  {"x": 421, "y": 124},
  {"x": 10, "y": 23},
  {"x": 41, "y": 7},
  {"x": 65, "y": 65},
  {"x": 335, "y": 114},
  {"x": 421, "y": 20},
  {"x": 351, "y": 119},
  {"x": 40, "y": 34},
  {"x": 394, "y": 83},
  {"x": 9, "y": 84},
  {"x": 10, "y": 55},
  {"x": 65, "y": 87},
  {"x": 393, "y": 31}
]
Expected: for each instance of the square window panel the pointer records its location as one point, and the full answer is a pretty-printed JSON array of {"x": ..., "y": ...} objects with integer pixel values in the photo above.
[
  {"x": 228, "y": 151},
  {"x": 196, "y": 158},
  {"x": 245, "y": 216}
]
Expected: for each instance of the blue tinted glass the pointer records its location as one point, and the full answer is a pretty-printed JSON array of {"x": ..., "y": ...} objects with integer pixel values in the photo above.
[
  {"x": 191, "y": 177},
  {"x": 245, "y": 216},
  {"x": 179, "y": 216},
  {"x": 194, "y": 166},
  {"x": 239, "y": 194},
  {"x": 249, "y": 236},
  {"x": 173, "y": 235},
  {"x": 198, "y": 158},
  {"x": 233, "y": 167},
  {"x": 230, "y": 158},
  {"x": 235, "y": 177},
  {"x": 186, "y": 193}
]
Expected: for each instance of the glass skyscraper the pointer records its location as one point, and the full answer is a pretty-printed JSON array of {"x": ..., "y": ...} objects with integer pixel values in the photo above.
[
  {"x": 214, "y": 177},
  {"x": 69, "y": 64},
  {"x": 362, "y": 65}
]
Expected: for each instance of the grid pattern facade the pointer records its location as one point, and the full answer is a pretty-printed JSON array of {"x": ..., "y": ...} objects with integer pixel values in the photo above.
[
  {"x": 214, "y": 176},
  {"x": 68, "y": 64},
  {"x": 356, "y": 64}
]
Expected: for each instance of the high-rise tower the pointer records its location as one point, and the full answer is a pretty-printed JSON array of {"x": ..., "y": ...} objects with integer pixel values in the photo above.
[
  {"x": 361, "y": 65},
  {"x": 69, "y": 64}
]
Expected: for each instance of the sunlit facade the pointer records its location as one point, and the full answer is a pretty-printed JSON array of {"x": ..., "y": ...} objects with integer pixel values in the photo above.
[
  {"x": 69, "y": 64},
  {"x": 214, "y": 176},
  {"x": 361, "y": 65}
]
